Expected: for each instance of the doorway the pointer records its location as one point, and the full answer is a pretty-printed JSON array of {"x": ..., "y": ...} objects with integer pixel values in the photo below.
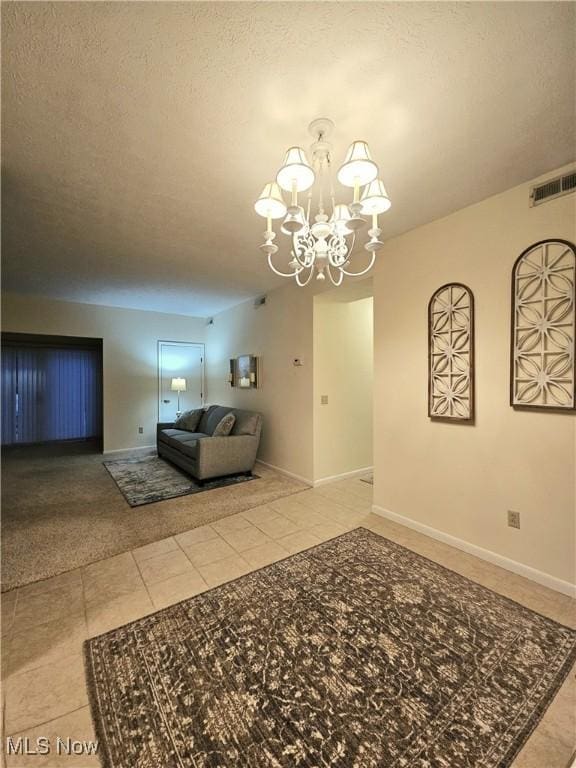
[
  {"x": 51, "y": 390},
  {"x": 180, "y": 378},
  {"x": 343, "y": 382}
]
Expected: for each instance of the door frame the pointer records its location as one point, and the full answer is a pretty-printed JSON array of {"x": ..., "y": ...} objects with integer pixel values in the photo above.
[{"x": 202, "y": 366}]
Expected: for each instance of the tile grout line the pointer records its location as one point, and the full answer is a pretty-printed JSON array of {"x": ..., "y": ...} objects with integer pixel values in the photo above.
[
  {"x": 208, "y": 525},
  {"x": 8, "y": 636},
  {"x": 143, "y": 581},
  {"x": 45, "y": 722},
  {"x": 218, "y": 560},
  {"x": 337, "y": 504},
  {"x": 84, "y": 602},
  {"x": 327, "y": 497},
  {"x": 46, "y": 664},
  {"x": 163, "y": 581},
  {"x": 43, "y": 623}
]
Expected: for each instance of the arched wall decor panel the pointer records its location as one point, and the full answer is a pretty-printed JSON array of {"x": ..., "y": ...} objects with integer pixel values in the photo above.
[
  {"x": 543, "y": 337},
  {"x": 451, "y": 353}
]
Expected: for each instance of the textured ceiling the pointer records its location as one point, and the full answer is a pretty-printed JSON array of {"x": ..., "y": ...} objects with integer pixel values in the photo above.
[{"x": 137, "y": 135}]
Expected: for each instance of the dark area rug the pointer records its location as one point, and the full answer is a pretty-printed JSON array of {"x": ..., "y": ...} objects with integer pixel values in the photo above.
[
  {"x": 357, "y": 653},
  {"x": 148, "y": 479}
]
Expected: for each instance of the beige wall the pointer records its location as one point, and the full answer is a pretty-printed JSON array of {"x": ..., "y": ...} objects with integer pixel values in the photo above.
[
  {"x": 462, "y": 479},
  {"x": 343, "y": 368},
  {"x": 458, "y": 479},
  {"x": 277, "y": 332},
  {"x": 130, "y": 340}
]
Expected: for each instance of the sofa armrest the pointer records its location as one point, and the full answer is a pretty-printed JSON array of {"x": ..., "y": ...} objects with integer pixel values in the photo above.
[
  {"x": 163, "y": 425},
  {"x": 226, "y": 455}
]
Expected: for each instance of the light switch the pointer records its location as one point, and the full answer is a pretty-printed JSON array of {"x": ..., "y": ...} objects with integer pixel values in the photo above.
[{"x": 323, "y": 399}]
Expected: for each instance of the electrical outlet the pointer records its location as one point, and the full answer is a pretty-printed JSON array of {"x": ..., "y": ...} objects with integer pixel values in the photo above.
[
  {"x": 140, "y": 430},
  {"x": 513, "y": 519},
  {"x": 323, "y": 399}
]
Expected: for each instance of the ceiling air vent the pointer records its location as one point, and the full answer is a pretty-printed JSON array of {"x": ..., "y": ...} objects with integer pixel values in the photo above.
[
  {"x": 553, "y": 188},
  {"x": 569, "y": 182}
]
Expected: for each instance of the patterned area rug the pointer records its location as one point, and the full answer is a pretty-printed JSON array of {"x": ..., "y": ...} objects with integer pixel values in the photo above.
[
  {"x": 357, "y": 653},
  {"x": 148, "y": 479}
]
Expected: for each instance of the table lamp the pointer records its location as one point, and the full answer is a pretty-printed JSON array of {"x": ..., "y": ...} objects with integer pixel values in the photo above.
[{"x": 178, "y": 385}]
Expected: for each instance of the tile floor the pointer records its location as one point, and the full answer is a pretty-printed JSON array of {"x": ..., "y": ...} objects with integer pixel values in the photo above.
[{"x": 44, "y": 624}]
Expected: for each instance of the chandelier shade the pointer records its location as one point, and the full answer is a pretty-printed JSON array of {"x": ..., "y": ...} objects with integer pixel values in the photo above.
[
  {"x": 322, "y": 244},
  {"x": 340, "y": 219},
  {"x": 271, "y": 204},
  {"x": 296, "y": 172},
  {"x": 358, "y": 168},
  {"x": 375, "y": 198},
  {"x": 295, "y": 220}
]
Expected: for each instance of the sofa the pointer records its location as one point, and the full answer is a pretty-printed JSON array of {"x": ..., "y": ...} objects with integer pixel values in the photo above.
[{"x": 203, "y": 456}]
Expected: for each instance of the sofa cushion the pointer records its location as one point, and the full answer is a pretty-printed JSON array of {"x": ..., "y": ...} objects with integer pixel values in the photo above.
[
  {"x": 203, "y": 425},
  {"x": 212, "y": 417},
  {"x": 224, "y": 426},
  {"x": 177, "y": 436},
  {"x": 246, "y": 423},
  {"x": 180, "y": 440},
  {"x": 185, "y": 434},
  {"x": 189, "y": 420},
  {"x": 189, "y": 451},
  {"x": 188, "y": 447}
]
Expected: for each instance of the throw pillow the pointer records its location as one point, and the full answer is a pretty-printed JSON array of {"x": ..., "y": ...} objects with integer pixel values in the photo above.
[
  {"x": 224, "y": 426},
  {"x": 189, "y": 420}
]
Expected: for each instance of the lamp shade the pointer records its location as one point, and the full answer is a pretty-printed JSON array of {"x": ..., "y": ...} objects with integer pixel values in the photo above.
[
  {"x": 340, "y": 219},
  {"x": 270, "y": 203},
  {"x": 295, "y": 221},
  {"x": 375, "y": 198},
  {"x": 178, "y": 385},
  {"x": 296, "y": 169},
  {"x": 358, "y": 167}
]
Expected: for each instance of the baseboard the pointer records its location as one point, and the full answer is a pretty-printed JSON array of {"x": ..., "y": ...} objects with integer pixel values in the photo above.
[
  {"x": 285, "y": 472},
  {"x": 129, "y": 450},
  {"x": 546, "y": 579},
  {"x": 343, "y": 476}
]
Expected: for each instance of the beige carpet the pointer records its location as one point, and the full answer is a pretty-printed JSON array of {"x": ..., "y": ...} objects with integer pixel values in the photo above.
[{"x": 61, "y": 512}]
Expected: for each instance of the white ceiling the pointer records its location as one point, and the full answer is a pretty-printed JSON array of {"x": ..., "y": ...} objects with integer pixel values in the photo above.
[{"x": 137, "y": 135}]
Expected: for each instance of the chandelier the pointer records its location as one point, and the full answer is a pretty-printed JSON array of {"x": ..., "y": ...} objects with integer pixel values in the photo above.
[{"x": 323, "y": 245}]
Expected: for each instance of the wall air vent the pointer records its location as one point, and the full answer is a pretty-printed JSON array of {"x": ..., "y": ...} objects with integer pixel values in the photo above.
[{"x": 553, "y": 188}]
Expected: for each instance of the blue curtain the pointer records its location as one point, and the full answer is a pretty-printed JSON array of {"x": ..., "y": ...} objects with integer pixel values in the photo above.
[
  {"x": 50, "y": 394},
  {"x": 9, "y": 394}
]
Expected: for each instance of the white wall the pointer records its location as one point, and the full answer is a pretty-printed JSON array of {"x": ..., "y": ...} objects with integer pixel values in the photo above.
[
  {"x": 277, "y": 332},
  {"x": 343, "y": 370},
  {"x": 130, "y": 340},
  {"x": 457, "y": 478}
]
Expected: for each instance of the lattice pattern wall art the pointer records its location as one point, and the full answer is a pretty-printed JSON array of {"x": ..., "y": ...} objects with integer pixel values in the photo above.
[
  {"x": 451, "y": 353},
  {"x": 543, "y": 343}
]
